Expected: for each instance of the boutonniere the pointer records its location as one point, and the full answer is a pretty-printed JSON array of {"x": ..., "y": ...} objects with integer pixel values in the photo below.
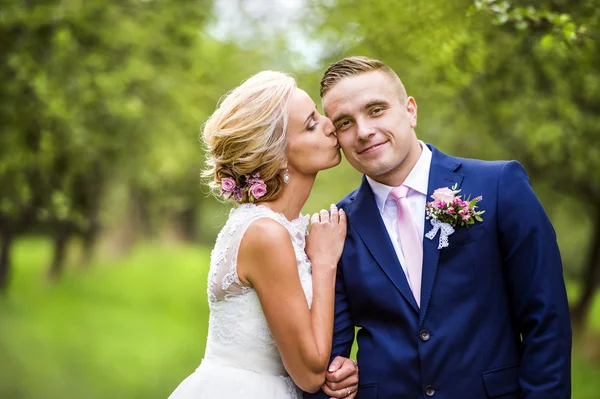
[{"x": 448, "y": 210}]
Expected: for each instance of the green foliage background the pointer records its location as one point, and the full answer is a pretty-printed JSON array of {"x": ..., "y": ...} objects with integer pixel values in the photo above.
[{"x": 105, "y": 227}]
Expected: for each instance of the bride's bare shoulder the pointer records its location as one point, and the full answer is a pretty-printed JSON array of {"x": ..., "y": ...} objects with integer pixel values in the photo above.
[
  {"x": 264, "y": 230},
  {"x": 265, "y": 248}
]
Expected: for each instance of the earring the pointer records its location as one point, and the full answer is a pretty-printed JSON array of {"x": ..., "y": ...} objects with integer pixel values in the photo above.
[{"x": 286, "y": 177}]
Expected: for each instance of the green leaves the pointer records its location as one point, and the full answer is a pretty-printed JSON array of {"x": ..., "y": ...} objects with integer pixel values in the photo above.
[
  {"x": 87, "y": 91},
  {"x": 523, "y": 18}
]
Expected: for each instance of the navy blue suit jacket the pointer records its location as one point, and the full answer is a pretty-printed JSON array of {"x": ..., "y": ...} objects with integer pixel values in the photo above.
[{"x": 494, "y": 319}]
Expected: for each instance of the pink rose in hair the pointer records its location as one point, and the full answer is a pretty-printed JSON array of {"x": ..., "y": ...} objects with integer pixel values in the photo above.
[
  {"x": 258, "y": 189},
  {"x": 443, "y": 194},
  {"x": 227, "y": 186}
]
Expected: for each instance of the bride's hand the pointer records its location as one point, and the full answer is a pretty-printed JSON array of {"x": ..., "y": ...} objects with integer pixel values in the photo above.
[{"x": 325, "y": 242}]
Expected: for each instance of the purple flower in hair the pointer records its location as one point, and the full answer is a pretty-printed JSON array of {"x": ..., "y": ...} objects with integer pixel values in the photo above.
[{"x": 238, "y": 194}]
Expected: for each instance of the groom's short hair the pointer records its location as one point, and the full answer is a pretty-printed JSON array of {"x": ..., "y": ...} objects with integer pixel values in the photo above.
[{"x": 355, "y": 65}]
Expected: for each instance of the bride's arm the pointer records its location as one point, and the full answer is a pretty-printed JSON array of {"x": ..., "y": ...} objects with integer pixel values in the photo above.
[{"x": 267, "y": 262}]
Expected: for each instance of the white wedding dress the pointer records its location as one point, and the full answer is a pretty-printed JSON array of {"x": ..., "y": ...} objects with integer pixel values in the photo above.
[{"x": 241, "y": 358}]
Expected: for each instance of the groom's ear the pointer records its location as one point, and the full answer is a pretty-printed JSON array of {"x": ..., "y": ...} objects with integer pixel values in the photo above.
[{"x": 411, "y": 109}]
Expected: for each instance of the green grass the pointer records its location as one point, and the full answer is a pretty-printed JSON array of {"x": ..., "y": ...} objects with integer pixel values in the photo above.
[
  {"x": 128, "y": 328},
  {"x": 132, "y": 328}
]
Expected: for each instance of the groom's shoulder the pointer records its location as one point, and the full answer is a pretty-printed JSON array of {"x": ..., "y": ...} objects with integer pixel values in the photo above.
[
  {"x": 506, "y": 170},
  {"x": 347, "y": 200},
  {"x": 468, "y": 165},
  {"x": 481, "y": 166}
]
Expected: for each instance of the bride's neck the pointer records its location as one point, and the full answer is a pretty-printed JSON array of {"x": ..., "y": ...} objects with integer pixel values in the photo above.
[{"x": 294, "y": 196}]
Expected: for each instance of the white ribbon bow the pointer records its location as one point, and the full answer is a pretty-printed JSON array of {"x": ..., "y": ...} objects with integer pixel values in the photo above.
[{"x": 446, "y": 230}]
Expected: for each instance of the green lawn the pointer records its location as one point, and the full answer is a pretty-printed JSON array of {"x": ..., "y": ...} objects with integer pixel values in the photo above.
[
  {"x": 127, "y": 329},
  {"x": 132, "y": 328}
]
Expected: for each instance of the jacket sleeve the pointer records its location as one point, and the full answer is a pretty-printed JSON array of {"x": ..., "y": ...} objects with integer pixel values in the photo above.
[{"x": 536, "y": 286}]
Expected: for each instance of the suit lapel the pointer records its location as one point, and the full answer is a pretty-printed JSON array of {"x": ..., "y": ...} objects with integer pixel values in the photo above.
[
  {"x": 366, "y": 219},
  {"x": 442, "y": 173}
]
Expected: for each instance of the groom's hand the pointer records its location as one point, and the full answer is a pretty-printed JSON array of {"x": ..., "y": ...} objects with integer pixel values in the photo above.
[{"x": 342, "y": 377}]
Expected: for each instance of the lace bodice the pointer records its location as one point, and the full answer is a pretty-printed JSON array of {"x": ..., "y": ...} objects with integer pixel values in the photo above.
[{"x": 238, "y": 332}]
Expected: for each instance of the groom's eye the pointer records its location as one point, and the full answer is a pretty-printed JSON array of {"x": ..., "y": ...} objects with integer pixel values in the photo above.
[{"x": 343, "y": 124}]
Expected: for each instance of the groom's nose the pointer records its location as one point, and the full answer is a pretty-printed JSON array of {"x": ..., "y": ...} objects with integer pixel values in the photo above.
[{"x": 364, "y": 130}]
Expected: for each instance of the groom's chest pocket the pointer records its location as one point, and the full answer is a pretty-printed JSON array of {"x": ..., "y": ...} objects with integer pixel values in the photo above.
[
  {"x": 460, "y": 264},
  {"x": 467, "y": 246},
  {"x": 463, "y": 236}
]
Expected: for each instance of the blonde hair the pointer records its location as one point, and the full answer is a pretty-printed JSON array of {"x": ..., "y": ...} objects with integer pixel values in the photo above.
[
  {"x": 351, "y": 66},
  {"x": 247, "y": 133}
]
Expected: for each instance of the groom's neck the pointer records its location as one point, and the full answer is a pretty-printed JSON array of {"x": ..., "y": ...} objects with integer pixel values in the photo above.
[{"x": 397, "y": 176}]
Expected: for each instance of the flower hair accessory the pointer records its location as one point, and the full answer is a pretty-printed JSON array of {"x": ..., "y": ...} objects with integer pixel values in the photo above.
[
  {"x": 250, "y": 184},
  {"x": 448, "y": 210}
]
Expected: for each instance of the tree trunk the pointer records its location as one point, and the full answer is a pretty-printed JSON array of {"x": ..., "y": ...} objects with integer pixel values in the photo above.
[
  {"x": 89, "y": 244},
  {"x": 90, "y": 238},
  {"x": 60, "y": 243},
  {"x": 5, "y": 241},
  {"x": 590, "y": 277},
  {"x": 187, "y": 219},
  {"x": 140, "y": 203}
]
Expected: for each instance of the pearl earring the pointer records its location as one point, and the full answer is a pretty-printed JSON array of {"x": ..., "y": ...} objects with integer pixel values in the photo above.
[{"x": 286, "y": 177}]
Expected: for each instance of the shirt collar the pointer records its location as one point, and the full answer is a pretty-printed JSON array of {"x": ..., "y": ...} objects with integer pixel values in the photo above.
[{"x": 417, "y": 179}]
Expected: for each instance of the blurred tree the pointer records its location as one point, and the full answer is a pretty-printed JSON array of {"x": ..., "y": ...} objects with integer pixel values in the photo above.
[
  {"x": 170, "y": 187},
  {"x": 87, "y": 91}
]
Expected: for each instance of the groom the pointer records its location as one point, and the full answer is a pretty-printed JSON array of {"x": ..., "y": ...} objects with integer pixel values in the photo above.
[{"x": 486, "y": 316}]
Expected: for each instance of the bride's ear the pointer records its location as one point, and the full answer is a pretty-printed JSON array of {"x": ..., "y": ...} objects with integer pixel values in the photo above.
[{"x": 283, "y": 165}]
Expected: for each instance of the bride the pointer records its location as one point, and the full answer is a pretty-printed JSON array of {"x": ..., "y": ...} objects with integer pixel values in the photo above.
[{"x": 270, "y": 286}]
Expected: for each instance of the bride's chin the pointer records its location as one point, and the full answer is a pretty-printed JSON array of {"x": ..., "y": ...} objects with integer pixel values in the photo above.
[
  {"x": 335, "y": 162},
  {"x": 338, "y": 158}
]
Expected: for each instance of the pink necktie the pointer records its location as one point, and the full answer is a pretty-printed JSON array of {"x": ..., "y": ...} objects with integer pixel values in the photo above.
[{"x": 409, "y": 241}]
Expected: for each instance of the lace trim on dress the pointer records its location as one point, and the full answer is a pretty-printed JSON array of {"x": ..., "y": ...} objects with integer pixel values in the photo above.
[{"x": 223, "y": 280}]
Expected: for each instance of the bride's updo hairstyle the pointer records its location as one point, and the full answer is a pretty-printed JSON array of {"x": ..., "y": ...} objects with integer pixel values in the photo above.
[{"x": 245, "y": 137}]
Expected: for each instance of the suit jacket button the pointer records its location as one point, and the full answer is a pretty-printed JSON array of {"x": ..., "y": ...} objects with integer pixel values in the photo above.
[
  {"x": 424, "y": 335},
  {"x": 429, "y": 391}
]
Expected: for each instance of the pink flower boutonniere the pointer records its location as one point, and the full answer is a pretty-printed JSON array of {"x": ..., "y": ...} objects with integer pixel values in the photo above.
[{"x": 448, "y": 210}]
